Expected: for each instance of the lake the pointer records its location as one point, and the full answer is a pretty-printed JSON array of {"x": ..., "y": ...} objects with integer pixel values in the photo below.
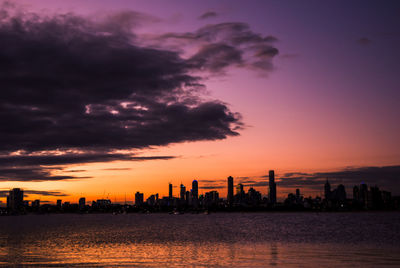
[{"x": 219, "y": 240}]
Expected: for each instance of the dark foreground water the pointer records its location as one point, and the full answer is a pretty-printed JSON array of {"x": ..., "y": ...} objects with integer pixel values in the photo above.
[{"x": 230, "y": 240}]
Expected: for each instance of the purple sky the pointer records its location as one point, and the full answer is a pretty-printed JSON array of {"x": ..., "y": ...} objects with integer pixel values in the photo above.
[{"x": 330, "y": 100}]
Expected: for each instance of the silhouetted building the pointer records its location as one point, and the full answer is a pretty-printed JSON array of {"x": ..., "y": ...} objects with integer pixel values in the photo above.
[
  {"x": 101, "y": 203},
  {"x": 356, "y": 193},
  {"x": 272, "y": 187},
  {"x": 253, "y": 197},
  {"x": 363, "y": 195},
  {"x": 376, "y": 198},
  {"x": 82, "y": 203},
  {"x": 240, "y": 195},
  {"x": 195, "y": 193},
  {"x": 15, "y": 200},
  {"x": 138, "y": 199},
  {"x": 340, "y": 193},
  {"x": 211, "y": 198},
  {"x": 36, "y": 204},
  {"x": 327, "y": 188},
  {"x": 187, "y": 197},
  {"x": 230, "y": 190},
  {"x": 152, "y": 200},
  {"x": 59, "y": 203},
  {"x": 170, "y": 191},
  {"x": 183, "y": 192},
  {"x": 239, "y": 189}
]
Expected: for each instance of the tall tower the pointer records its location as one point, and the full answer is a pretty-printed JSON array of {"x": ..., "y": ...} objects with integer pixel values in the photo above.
[
  {"x": 15, "y": 200},
  {"x": 139, "y": 199},
  {"x": 230, "y": 190},
  {"x": 82, "y": 203},
  {"x": 272, "y": 187},
  {"x": 170, "y": 191},
  {"x": 195, "y": 189},
  {"x": 183, "y": 192},
  {"x": 327, "y": 188},
  {"x": 195, "y": 193}
]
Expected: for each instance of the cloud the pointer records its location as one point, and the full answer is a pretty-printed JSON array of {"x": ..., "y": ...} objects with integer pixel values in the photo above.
[
  {"x": 116, "y": 169},
  {"x": 221, "y": 45},
  {"x": 89, "y": 88},
  {"x": 386, "y": 177},
  {"x": 20, "y": 173},
  {"x": 42, "y": 167},
  {"x": 207, "y": 15},
  {"x": 364, "y": 41},
  {"x": 4, "y": 193}
]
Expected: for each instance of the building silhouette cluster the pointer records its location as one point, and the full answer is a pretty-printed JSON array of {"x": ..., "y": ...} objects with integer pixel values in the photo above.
[{"x": 363, "y": 198}]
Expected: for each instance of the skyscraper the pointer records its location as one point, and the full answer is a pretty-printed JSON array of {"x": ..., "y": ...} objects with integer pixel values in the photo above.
[
  {"x": 138, "y": 199},
  {"x": 195, "y": 189},
  {"x": 82, "y": 203},
  {"x": 239, "y": 189},
  {"x": 195, "y": 193},
  {"x": 15, "y": 200},
  {"x": 230, "y": 190},
  {"x": 272, "y": 187},
  {"x": 170, "y": 191},
  {"x": 327, "y": 189},
  {"x": 183, "y": 192}
]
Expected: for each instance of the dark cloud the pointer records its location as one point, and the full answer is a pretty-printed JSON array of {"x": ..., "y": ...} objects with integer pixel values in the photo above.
[
  {"x": 88, "y": 88},
  {"x": 42, "y": 167},
  {"x": 364, "y": 41},
  {"x": 208, "y": 14},
  {"x": 116, "y": 169},
  {"x": 4, "y": 193},
  {"x": 32, "y": 174},
  {"x": 226, "y": 44},
  {"x": 212, "y": 187},
  {"x": 387, "y": 177},
  {"x": 215, "y": 57}
]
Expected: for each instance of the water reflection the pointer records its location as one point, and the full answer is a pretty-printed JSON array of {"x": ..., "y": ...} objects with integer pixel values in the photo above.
[{"x": 98, "y": 240}]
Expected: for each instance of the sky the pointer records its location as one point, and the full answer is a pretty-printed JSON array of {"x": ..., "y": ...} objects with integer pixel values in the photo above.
[{"x": 105, "y": 98}]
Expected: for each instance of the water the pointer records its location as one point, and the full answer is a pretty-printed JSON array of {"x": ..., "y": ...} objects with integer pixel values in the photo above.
[{"x": 219, "y": 240}]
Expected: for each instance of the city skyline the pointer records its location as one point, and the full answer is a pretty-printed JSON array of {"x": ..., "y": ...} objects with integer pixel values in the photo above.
[
  {"x": 191, "y": 196},
  {"x": 102, "y": 97},
  {"x": 334, "y": 199}
]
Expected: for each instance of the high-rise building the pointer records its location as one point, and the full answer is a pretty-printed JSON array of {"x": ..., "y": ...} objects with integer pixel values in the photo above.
[
  {"x": 356, "y": 193},
  {"x": 183, "y": 192},
  {"x": 297, "y": 194},
  {"x": 15, "y": 200},
  {"x": 195, "y": 193},
  {"x": 82, "y": 203},
  {"x": 195, "y": 189},
  {"x": 36, "y": 204},
  {"x": 138, "y": 199},
  {"x": 272, "y": 187},
  {"x": 363, "y": 194},
  {"x": 187, "y": 197},
  {"x": 59, "y": 203},
  {"x": 341, "y": 193},
  {"x": 239, "y": 189},
  {"x": 230, "y": 190},
  {"x": 327, "y": 189},
  {"x": 170, "y": 191}
]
